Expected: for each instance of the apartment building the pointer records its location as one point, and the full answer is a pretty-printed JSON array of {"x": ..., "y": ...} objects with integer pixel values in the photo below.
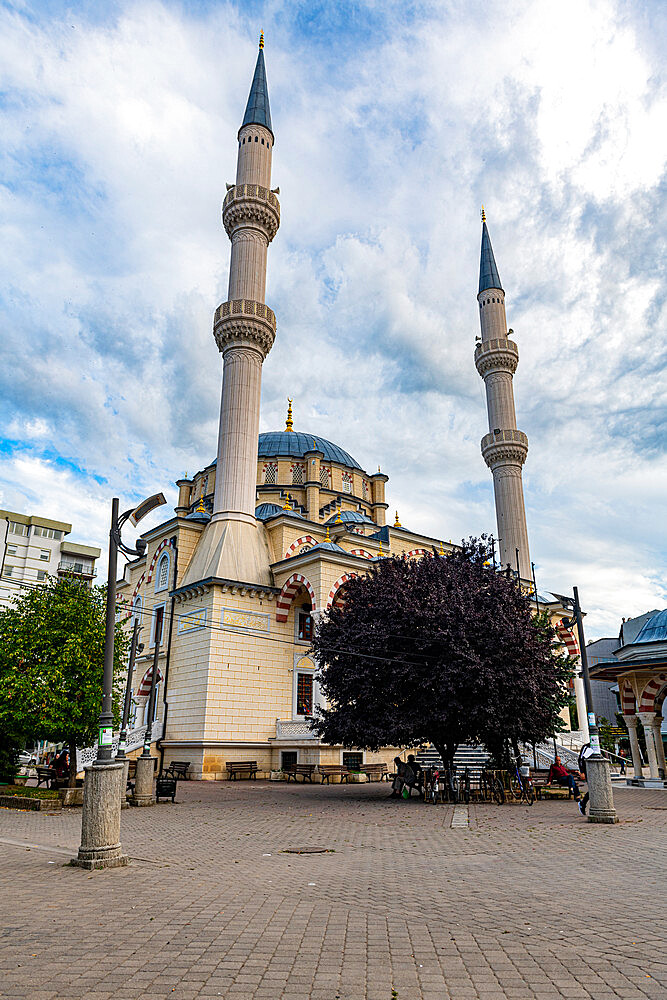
[{"x": 33, "y": 548}]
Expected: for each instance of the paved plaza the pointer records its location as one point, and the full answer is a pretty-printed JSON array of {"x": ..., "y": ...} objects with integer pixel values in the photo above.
[{"x": 395, "y": 905}]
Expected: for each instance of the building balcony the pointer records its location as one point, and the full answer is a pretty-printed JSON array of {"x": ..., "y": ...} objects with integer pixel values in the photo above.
[{"x": 76, "y": 569}]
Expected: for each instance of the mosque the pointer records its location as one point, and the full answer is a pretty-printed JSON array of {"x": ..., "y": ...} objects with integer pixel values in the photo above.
[{"x": 263, "y": 539}]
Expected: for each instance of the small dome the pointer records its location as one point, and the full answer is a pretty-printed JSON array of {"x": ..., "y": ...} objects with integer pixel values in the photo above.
[
  {"x": 351, "y": 517},
  {"x": 294, "y": 444},
  {"x": 654, "y": 630},
  {"x": 267, "y": 510},
  {"x": 202, "y": 516}
]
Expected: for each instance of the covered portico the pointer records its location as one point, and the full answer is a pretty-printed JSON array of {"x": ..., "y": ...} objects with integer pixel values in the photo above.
[{"x": 640, "y": 668}]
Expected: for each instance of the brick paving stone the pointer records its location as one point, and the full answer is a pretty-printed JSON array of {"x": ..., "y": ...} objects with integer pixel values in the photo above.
[{"x": 524, "y": 903}]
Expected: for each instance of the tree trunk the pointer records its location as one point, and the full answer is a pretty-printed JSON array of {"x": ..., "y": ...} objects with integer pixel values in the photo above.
[
  {"x": 446, "y": 752},
  {"x": 72, "y": 764}
]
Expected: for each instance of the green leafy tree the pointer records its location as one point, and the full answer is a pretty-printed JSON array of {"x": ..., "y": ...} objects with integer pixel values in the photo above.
[
  {"x": 443, "y": 650},
  {"x": 51, "y": 665}
]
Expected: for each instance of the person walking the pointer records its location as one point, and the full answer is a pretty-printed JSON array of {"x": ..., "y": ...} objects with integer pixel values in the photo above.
[{"x": 584, "y": 754}]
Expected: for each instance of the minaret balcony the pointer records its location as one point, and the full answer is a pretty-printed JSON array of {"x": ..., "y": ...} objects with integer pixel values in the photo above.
[
  {"x": 509, "y": 446},
  {"x": 247, "y": 204},
  {"x": 496, "y": 355},
  {"x": 244, "y": 320}
]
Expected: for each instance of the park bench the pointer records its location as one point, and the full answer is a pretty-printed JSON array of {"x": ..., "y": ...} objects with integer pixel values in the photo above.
[
  {"x": 178, "y": 769},
  {"x": 294, "y": 770},
  {"x": 45, "y": 774},
  {"x": 329, "y": 771},
  {"x": 239, "y": 768},
  {"x": 375, "y": 772},
  {"x": 539, "y": 778}
]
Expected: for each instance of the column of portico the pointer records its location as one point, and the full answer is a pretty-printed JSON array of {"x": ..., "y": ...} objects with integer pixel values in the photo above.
[
  {"x": 647, "y": 719},
  {"x": 659, "y": 745},
  {"x": 632, "y": 722}
]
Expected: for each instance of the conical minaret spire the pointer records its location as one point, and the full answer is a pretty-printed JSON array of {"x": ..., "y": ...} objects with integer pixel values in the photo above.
[{"x": 505, "y": 447}]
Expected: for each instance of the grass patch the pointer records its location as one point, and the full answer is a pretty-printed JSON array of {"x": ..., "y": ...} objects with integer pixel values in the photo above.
[{"x": 29, "y": 792}]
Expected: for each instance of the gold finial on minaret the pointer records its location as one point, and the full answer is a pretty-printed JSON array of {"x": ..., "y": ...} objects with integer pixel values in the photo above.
[
  {"x": 483, "y": 214},
  {"x": 261, "y": 39},
  {"x": 289, "y": 423},
  {"x": 287, "y": 505},
  {"x": 397, "y": 523}
]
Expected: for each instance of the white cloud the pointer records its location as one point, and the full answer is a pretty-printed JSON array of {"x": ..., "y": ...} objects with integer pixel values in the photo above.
[{"x": 118, "y": 139}]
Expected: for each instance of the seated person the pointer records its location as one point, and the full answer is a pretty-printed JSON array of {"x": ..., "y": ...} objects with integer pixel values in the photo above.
[
  {"x": 561, "y": 776},
  {"x": 417, "y": 770},
  {"x": 404, "y": 778}
]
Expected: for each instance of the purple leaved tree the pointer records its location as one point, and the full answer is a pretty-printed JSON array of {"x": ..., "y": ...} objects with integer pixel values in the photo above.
[{"x": 441, "y": 650}]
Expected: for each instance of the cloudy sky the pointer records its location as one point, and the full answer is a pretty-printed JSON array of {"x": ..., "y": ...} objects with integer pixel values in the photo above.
[{"x": 394, "y": 122}]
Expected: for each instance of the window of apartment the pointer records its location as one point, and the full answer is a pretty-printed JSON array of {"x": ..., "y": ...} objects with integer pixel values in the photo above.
[
  {"x": 304, "y": 694},
  {"x": 44, "y": 555},
  {"x": 43, "y": 532},
  {"x": 353, "y": 761},
  {"x": 16, "y": 528},
  {"x": 158, "y": 621},
  {"x": 304, "y": 620},
  {"x": 41, "y": 574},
  {"x": 8, "y": 570},
  {"x": 288, "y": 758},
  {"x": 11, "y": 550}
]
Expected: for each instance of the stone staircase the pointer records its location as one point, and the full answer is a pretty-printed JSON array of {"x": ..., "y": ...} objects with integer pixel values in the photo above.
[{"x": 474, "y": 758}]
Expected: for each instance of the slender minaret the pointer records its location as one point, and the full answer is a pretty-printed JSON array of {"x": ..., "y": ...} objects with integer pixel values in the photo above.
[
  {"x": 233, "y": 545},
  {"x": 504, "y": 448}
]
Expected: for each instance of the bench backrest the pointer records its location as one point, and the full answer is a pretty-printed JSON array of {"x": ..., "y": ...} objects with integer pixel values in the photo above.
[
  {"x": 331, "y": 768},
  {"x": 246, "y": 765}
]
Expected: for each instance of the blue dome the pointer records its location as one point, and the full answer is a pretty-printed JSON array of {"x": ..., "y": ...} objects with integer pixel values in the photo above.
[
  {"x": 267, "y": 510},
  {"x": 351, "y": 517},
  {"x": 654, "y": 630},
  {"x": 294, "y": 444}
]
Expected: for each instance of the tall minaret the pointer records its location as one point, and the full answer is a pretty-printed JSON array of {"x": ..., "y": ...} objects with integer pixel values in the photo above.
[
  {"x": 504, "y": 448},
  {"x": 233, "y": 545}
]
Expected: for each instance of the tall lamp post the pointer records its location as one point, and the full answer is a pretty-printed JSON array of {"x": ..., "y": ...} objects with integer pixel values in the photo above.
[
  {"x": 100, "y": 821},
  {"x": 601, "y": 802}
]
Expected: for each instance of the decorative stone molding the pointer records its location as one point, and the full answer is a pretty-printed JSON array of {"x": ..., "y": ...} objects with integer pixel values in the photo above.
[
  {"x": 244, "y": 320},
  {"x": 504, "y": 446},
  {"x": 496, "y": 354},
  {"x": 250, "y": 203}
]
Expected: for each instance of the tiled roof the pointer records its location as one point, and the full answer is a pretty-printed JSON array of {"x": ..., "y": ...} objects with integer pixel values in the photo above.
[
  {"x": 294, "y": 444},
  {"x": 655, "y": 629}
]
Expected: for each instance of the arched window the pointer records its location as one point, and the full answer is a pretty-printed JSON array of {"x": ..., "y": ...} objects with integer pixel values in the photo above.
[
  {"x": 325, "y": 474},
  {"x": 347, "y": 482},
  {"x": 136, "y": 610},
  {"x": 162, "y": 575},
  {"x": 256, "y": 138},
  {"x": 297, "y": 475},
  {"x": 270, "y": 474}
]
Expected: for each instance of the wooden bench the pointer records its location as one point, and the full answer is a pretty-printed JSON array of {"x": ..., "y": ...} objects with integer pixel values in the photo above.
[
  {"x": 375, "y": 772},
  {"x": 179, "y": 769},
  {"x": 239, "y": 768},
  {"x": 45, "y": 774},
  {"x": 539, "y": 778},
  {"x": 329, "y": 771},
  {"x": 294, "y": 770}
]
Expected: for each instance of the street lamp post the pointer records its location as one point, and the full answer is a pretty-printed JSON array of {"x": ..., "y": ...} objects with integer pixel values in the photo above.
[
  {"x": 601, "y": 802},
  {"x": 102, "y": 795}
]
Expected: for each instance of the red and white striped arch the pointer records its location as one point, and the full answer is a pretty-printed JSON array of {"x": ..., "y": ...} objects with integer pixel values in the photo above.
[
  {"x": 164, "y": 544},
  {"x": 304, "y": 540},
  {"x": 413, "y": 553},
  {"x": 568, "y": 639},
  {"x": 650, "y": 700},
  {"x": 289, "y": 590},
  {"x": 144, "y": 688},
  {"x": 363, "y": 553},
  {"x": 628, "y": 703},
  {"x": 337, "y": 585}
]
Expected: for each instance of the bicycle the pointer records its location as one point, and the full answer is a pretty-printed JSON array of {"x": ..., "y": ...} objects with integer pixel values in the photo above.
[
  {"x": 431, "y": 786},
  {"x": 491, "y": 788},
  {"x": 521, "y": 785}
]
